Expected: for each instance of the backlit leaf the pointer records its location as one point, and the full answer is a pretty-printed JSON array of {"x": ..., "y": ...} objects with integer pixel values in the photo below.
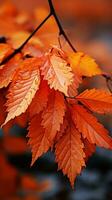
[
  {"x": 57, "y": 73},
  {"x": 90, "y": 128},
  {"x": 38, "y": 140},
  {"x": 52, "y": 116},
  {"x": 97, "y": 100},
  {"x": 84, "y": 65},
  {"x": 69, "y": 153},
  {"x": 23, "y": 88}
]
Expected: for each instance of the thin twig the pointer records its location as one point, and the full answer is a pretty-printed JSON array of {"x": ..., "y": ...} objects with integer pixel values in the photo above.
[{"x": 61, "y": 30}]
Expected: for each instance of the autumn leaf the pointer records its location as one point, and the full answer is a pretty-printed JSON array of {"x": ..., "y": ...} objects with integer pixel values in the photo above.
[
  {"x": 62, "y": 130},
  {"x": 90, "y": 128},
  {"x": 89, "y": 149},
  {"x": 7, "y": 72},
  {"x": 40, "y": 99},
  {"x": 72, "y": 89},
  {"x": 22, "y": 119},
  {"x": 58, "y": 74},
  {"x": 69, "y": 153},
  {"x": 38, "y": 140},
  {"x": 52, "y": 116},
  {"x": 2, "y": 106},
  {"x": 98, "y": 101},
  {"x": 23, "y": 88},
  {"x": 83, "y": 64}
]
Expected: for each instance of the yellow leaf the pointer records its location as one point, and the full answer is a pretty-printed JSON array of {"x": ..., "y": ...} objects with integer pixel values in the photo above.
[{"x": 84, "y": 65}]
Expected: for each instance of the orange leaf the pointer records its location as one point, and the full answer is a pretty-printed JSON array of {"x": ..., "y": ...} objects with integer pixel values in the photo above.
[
  {"x": 89, "y": 148},
  {"x": 63, "y": 127},
  {"x": 2, "y": 107},
  {"x": 39, "y": 102},
  {"x": 97, "y": 100},
  {"x": 37, "y": 138},
  {"x": 72, "y": 89},
  {"x": 23, "y": 88},
  {"x": 69, "y": 153},
  {"x": 7, "y": 127},
  {"x": 83, "y": 64},
  {"x": 57, "y": 73},
  {"x": 22, "y": 120},
  {"x": 90, "y": 128},
  {"x": 8, "y": 70},
  {"x": 52, "y": 116}
]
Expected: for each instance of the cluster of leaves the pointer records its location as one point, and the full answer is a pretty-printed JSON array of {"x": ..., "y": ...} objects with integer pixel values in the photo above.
[
  {"x": 44, "y": 88},
  {"x": 40, "y": 86}
]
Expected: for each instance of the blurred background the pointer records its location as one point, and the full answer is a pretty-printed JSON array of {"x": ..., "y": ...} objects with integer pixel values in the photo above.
[{"x": 88, "y": 23}]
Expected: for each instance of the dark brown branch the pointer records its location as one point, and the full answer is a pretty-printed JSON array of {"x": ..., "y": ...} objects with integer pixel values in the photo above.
[{"x": 61, "y": 30}]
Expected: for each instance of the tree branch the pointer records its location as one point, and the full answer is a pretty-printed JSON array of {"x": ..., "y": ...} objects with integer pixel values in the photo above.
[{"x": 61, "y": 30}]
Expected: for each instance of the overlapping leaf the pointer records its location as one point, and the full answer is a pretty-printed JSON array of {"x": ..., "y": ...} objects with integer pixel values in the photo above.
[
  {"x": 23, "y": 88},
  {"x": 89, "y": 148},
  {"x": 37, "y": 138},
  {"x": 8, "y": 70},
  {"x": 39, "y": 102},
  {"x": 69, "y": 153},
  {"x": 57, "y": 73},
  {"x": 90, "y": 128},
  {"x": 84, "y": 65},
  {"x": 97, "y": 100},
  {"x": 52, "y": 116}
]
